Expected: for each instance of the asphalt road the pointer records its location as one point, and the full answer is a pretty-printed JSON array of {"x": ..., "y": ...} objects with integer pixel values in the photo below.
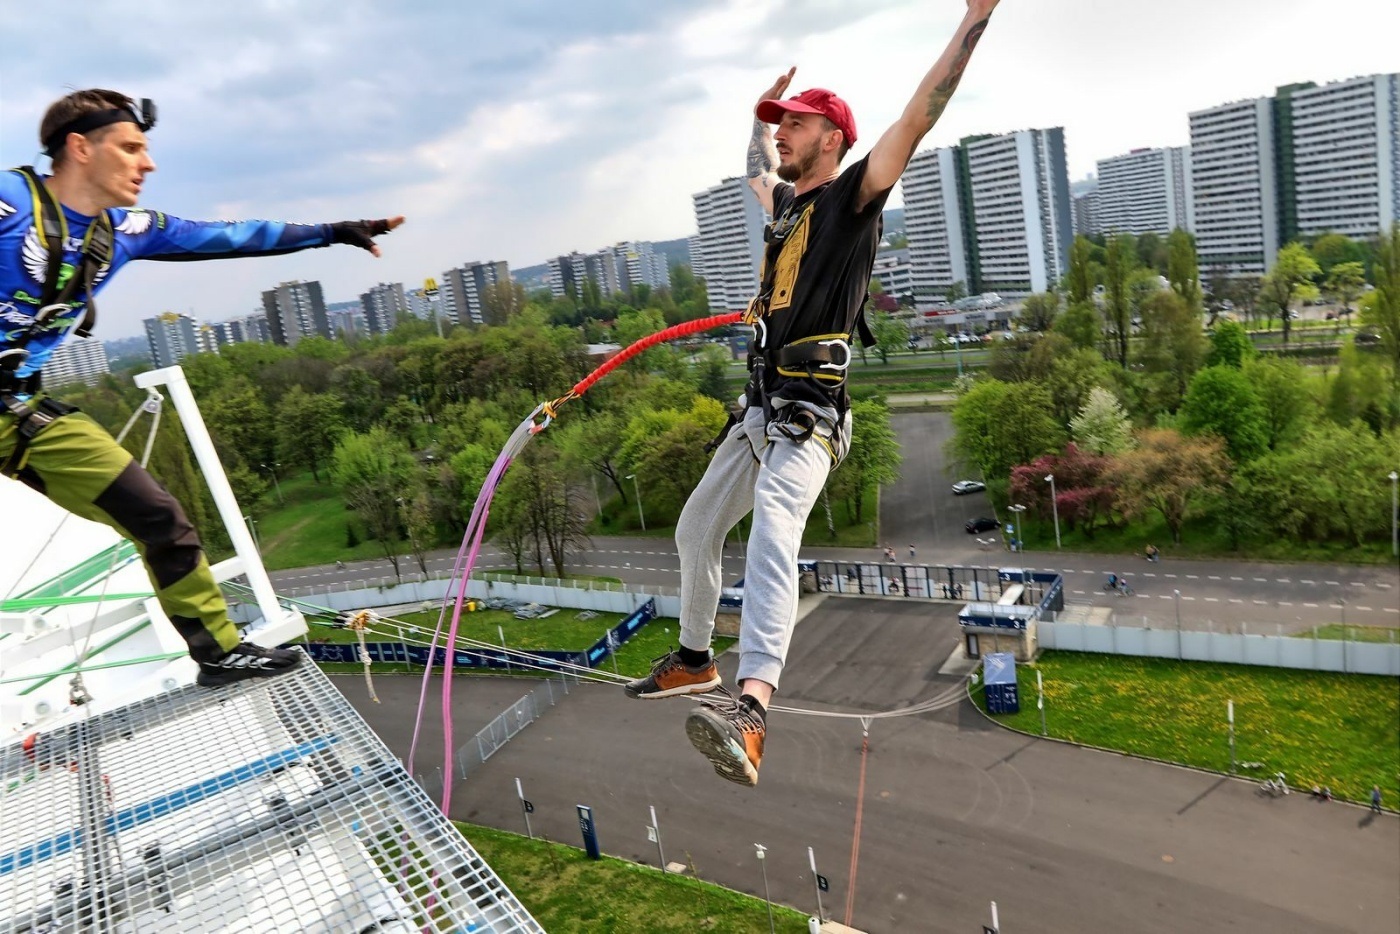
[{"x": 957, "y": 812}]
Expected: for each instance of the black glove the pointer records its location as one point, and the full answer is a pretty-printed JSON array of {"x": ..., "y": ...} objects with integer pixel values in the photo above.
[{"x": 359, "y": 233}]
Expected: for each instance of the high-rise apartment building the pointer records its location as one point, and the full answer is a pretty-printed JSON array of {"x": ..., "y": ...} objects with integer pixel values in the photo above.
[
  {"x": 728, "y": 250},
  {"x": 78, "y": 359},
  {"x": 464, "y": 288},
  {"x": 1346, "y": 156},
  {"x": 1084, "y": 194},
  {"x": 570, "y": 271},
  {"x": 1234, "y": 179},
  {"x": 296, "y": 310},
  {"x": 172, "y": 337},
  {"x": 933, "y": 222},
  {"x": 1145, "y": 191},
  {"x": 895, "y": 273},
  {"x": 382, "y": 305},
  {"x": 1020, "y": 207},
  {"x": 638, "y": 264}
]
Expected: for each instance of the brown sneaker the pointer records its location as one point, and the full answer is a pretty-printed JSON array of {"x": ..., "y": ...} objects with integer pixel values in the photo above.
[
  {"x": 731, "y": 736},
  {"x": 671, "y": 677}
]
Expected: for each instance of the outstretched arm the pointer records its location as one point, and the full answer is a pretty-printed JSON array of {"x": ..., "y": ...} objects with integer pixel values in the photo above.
[
  {"x": 152, "y": 235},
  {"x": 763, "y": 155},
  {"x": 892, "y": 153}
]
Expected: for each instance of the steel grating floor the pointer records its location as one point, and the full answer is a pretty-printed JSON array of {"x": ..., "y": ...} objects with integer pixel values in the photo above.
[{"x": 268, "y": 806}]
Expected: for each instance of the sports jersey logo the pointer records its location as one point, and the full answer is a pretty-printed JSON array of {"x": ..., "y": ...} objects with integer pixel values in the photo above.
[
  {"x": 36, "y": 260},
  {"x": 12, "y": 314},
  {"x": 135, "y": 223},
  {"x": 6, "y": 210}
]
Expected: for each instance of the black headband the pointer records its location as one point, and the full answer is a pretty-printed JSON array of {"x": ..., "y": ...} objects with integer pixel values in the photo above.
[{"x": 96, "y": 119}]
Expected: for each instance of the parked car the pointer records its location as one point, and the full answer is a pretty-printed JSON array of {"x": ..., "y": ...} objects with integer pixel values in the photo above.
[
  {"x": 982, "y": 524},
  {"x": 968, "y": 486}
]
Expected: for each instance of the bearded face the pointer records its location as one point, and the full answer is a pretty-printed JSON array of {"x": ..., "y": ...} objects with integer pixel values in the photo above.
[{"x": 793, "y": 164}]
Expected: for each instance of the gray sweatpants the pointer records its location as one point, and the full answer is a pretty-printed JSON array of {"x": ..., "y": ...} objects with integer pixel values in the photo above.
[{"x": 759, "y": 469}]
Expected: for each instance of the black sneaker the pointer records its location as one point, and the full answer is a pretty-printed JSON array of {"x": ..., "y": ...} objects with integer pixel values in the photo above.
[
  {"x": 671, "y": 677},
  {"x": 247, "y": 661},
  {"x": 730, "y": 735}
]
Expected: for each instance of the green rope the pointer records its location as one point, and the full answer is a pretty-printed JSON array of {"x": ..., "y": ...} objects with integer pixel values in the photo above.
[
  {"x": 50, "y": 675},
  {"x": 20, "y": 604}
]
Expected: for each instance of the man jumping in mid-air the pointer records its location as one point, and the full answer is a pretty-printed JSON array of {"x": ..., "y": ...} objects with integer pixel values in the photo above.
[
  {"x": 821, "y": 247},
  {"x": 62, "y": 236}
]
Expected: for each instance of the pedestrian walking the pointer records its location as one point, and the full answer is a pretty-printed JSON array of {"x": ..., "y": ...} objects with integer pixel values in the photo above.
[
  {"x": 911, "y": 551},
  {"x": 1376, "y": 798}
]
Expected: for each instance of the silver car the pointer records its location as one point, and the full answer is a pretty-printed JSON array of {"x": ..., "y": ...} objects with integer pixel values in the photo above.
[{"x": 968, "y": 486}]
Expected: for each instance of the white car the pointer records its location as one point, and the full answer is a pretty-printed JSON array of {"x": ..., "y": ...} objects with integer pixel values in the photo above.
[{"x": 968, "y": 486}]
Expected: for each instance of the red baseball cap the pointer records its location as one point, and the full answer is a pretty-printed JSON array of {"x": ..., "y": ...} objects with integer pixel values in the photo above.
[{"x": 815, "y": 101}]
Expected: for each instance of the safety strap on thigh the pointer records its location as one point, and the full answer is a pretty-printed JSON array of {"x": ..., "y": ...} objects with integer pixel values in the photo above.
[{"x": 30, "y": 419}]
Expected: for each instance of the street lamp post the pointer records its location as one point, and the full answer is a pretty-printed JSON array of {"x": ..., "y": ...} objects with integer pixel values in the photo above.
[
  {"x": 1394, "y": 515},
  {"x": 1176, "y": 595},
  {"x": 253, "y": 528},
  {"x": 1055, "y": 508},
  {"x": 1020, "y": 511},
  {"x": 764, "y": 866},
  {"x": 636, "y": 485},
  {"x": 280, "y": 500}
]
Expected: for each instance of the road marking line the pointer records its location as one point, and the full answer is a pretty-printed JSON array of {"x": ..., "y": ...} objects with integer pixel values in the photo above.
[
  {"x": 1261, "y": 602},
  {"x": 1088, "y": 572},
  {"x": 1357, "y": 583},
  {"x": 1171, "y": 576},
  {"x": 1077, "y": 591},
  {"x": 1284, "y": 603},
  {"x": 1215, "y": 577},
  {"x": 1365, "y": 609},
  {"x": 1282, "y": 580},
  {"x": 1237, "y": 578},
  {"x": 1392, "y": 609},
  {"x": 1149, "y": 575},
  {"x": 1162, "y": 596},
  {"x": 1301, "y": 581},
  {"x": 1193, "y": 577},
  {"x": 1233, "y": 600},
  {"x": 1262, "y": 580},
  {"x": 1211, "y": 599},
  {"x": 1313, "y": 605},
  {"x": 1188, "y": 598}
]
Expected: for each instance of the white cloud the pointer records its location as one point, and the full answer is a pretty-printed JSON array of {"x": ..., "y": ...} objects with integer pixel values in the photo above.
[{"x": 521, "y": 129}]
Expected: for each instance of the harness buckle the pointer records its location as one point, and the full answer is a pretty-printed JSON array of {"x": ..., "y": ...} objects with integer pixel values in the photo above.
[{"x": 844, "y": 364}]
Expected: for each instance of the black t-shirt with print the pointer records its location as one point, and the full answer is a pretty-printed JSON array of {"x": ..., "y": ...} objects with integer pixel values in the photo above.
[{"x": 832, "y": 278}]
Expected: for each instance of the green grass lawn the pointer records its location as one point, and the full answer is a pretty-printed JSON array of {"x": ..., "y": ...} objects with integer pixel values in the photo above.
[
  {"x": 1321, "y": 728},
  {"x": 568, "y": 892},
  {"x": 1200, "y": 539},
  {"x": 562, "y": 632},
  {"x": 311, "y": 528},
  {"x": 1351, "y": 633}
]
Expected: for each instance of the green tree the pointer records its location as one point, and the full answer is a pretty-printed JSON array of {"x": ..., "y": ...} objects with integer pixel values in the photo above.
[
  {"x": 1169, "y": 474},
  {"x": 308, "y": 427},
  {"x": 1330, "y": 249},
  {"x": 1102, "y": 425},
  {"x": 1081, "y": 323},
  {"x": 1038, "y": 312},
  {"x": 502, "y": 301},
  {"x": 1363, "y": 389},
  {"x": 1283, "y": 389},
  {"x": 1230, "y": 345},
  {"x": 1344, "y": 283},
  {"x": 1182, "y": 270},
  {"x": 372, "y": 470},
  {"x": 711, "y": 369},
  {"x": 1171, "y": 349},
  {"x": 416, "y": 518},
  {"x": 999, "y": 425},
  {"x": 240, "y": 423},
  {"x": 1152, "y": 252},
  {"x": 891, "y": 335},
  {"x": 873, "y": 460},
  {"x": 1121, "y": 260},
  {"x": 955, "y": 292},
  {"x": 1290, "y": 280},
  {"x": 1382, "y": 310},
  {"x": 1080, "y": 281},
  {"x": 1223, "y": 402}
]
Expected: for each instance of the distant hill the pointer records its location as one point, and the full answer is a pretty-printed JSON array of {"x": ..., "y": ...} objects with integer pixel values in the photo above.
[
  {"x": 675, "y": 251},
  {"x": 127, "y": 347},
  {"x": 894, "y": 220}
]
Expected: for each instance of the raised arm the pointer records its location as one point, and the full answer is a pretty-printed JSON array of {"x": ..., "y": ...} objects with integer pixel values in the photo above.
[
  {"x": 763, "y": 155},
  {"x": 892, "y": 153}
]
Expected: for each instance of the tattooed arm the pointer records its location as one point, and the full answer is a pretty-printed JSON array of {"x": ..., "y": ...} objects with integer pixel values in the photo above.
[
  {"x": 892, "y": 153},
  {"x": 763, "y": 155}
]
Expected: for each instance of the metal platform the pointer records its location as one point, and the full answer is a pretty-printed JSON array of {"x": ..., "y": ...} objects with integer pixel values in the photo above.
[{"x": 268, "y": 806}]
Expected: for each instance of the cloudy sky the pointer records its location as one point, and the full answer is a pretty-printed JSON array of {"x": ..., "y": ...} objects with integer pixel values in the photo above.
[{"x": 522, "y": 129}]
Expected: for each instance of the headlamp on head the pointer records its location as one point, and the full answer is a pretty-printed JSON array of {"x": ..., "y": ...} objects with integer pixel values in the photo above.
[{"x": 142, "y": 113}]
